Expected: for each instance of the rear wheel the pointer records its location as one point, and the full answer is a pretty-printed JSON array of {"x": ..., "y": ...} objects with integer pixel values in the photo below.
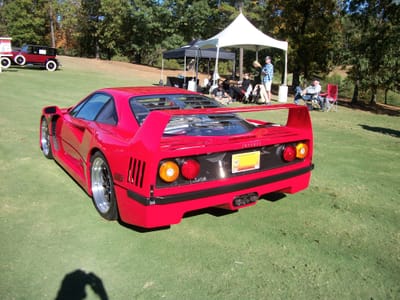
[
  {"x": 103, "y": 187},
  {"x": 5, "y": 62},
  {"x": 51, "y": 65},
  {"x": 45, "y": 139},
  {"x": 20, "y": 60}
]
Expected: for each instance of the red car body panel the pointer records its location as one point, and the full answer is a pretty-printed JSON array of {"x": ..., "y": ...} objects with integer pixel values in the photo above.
[{"x": 135, "y": 151}]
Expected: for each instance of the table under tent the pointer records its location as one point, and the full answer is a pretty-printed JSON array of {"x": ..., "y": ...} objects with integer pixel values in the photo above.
[{"x": 193, "y": 54}]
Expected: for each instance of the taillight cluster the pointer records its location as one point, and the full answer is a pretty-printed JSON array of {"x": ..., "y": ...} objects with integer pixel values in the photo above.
[
  {"x": 293, "y": 151},
  {"x": 170, "y": 170}
]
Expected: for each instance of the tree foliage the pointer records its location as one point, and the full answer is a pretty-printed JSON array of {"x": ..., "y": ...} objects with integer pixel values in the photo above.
[
  {"x": 321, "y": 33},
  {"x": 374, "y": 44}
]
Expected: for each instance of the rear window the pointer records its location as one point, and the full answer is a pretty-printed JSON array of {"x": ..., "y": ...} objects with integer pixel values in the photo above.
[
  {"x": 142, "y": 106},
  {"x": 194, "y": 125}
]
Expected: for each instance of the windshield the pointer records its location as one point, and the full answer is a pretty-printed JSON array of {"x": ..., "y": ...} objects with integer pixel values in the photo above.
[{"x": 195, "y": 125}]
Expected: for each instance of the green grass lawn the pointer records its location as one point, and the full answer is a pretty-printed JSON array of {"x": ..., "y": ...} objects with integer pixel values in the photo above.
[{"x": 339, "y": 239}]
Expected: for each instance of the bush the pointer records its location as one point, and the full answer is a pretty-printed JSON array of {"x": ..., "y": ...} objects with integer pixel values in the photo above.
[
  {"x": 172, "y": 64},
  {"x": 120, "y": 58}
]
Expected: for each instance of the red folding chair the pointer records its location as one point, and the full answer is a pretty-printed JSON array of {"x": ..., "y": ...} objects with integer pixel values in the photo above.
[{"x": 330, "y": 97}]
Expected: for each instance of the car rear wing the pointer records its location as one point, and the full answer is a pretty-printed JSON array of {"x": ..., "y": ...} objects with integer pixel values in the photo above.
[{"x": 156, "y": 122}]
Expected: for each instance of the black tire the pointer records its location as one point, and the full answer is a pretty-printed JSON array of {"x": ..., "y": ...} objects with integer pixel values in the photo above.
[
  {"x": 5, "y": 62},
  {"x": 45, "y": 144},
  {"x": 20, "y": 59},
  {"x": 51, "y": 65},
  {"x": 102, "y": 186}
]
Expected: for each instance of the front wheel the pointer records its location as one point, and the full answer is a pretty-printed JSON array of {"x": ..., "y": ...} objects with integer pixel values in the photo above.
[
  {"x": 51, "y": 65},
  {"x": 45, "y": 139},
  {"x": 103, "y": 187}
]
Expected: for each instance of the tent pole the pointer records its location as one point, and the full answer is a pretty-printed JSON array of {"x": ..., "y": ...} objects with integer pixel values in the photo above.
[
  {"x": 184, "y": 72},
  {"x": 162, "y": 72},
  {"x": 240, "y": 64},
  {"x": 285, "y": 78},
  {"x": 216, "y": 68}
]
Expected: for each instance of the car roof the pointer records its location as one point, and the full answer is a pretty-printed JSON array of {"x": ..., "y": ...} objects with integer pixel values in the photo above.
[{"x": 146, "y": 91}]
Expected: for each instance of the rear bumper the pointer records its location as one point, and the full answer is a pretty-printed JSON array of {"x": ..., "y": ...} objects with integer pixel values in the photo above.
[{"x": 150, "y": 212}]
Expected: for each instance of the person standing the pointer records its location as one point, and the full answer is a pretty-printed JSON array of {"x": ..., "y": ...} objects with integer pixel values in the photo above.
[{"x": 268, "y": 73}]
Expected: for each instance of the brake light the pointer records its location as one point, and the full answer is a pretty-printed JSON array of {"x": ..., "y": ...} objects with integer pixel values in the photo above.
[
  {"x": 169, "y": 171},
  {"x": 190, "y": 169},
  {"x": 301, "y": 150},
  {"x": 289, "y": 153}
]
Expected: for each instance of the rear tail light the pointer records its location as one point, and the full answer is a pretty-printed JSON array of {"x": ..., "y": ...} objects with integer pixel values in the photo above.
[
  {"x": 169, "y": 171},
  {"x": 291, "y": 152},
  {"x": 301, "y": 150},
  {"x": 190, "y": 169}
]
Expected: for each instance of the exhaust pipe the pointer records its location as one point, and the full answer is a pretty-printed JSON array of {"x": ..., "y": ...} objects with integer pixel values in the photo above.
[{"x": 245, "y": 199}]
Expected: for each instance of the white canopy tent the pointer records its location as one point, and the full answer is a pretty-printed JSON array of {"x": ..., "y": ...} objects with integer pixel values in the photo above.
[{"x": 242, "y": 34}]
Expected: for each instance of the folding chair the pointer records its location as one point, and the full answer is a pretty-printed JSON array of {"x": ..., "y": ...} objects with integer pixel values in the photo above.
[{"x": 330, "y": 97}]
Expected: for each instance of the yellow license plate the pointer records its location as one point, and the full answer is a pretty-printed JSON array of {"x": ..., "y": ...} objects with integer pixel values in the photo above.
[{"x": 245, "y": 161}]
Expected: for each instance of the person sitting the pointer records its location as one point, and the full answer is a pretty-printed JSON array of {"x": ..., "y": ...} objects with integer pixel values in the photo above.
[
  {"x": 246, "y": 86},
  {"x": 242, "y": 90},
  {"x": 310, "y": 93},
  {"x": 220, "y": 94}
]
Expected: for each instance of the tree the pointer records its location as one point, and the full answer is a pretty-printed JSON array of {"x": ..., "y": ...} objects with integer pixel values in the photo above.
[
  {"x": 311, "y": 28},
  {"x": 376, "y": 54},
  {"x": 25, "y": 21}
]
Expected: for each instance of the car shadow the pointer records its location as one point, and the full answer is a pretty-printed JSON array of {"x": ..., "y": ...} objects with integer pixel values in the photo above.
[
  {"x": 74, "y": 284},
  {"x": 273, "y": 197},
  {"x": 387, "y": 131},
  {"x": 214, "y": 211}
]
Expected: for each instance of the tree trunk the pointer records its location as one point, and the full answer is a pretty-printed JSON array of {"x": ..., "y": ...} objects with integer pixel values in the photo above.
[
  {"x": 52, "y": 35},
  {"x": 354, "y": 100},
  {"x": 386, "y": 93},
  {"x": 374, "y": 90},
  {"x": 296, "y": 78},
  {"x": 373, "y": 98}
]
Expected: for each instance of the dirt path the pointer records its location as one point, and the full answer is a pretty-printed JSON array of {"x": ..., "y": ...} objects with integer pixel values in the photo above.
[{"x": 120, "y": 68}]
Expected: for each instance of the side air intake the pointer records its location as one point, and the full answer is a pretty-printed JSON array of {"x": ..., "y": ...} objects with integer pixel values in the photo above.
[{"x": 136, "y": 171}]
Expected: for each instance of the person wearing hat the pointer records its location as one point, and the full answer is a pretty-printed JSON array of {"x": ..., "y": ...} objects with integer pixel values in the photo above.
[{"x": 268, "y": 73}]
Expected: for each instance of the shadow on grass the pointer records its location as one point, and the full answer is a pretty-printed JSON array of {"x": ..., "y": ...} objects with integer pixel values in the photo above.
[
  {"x": 73, "y": 286},
  {"x": 388, "y": 131},
  {"x": 273, "y": 197},
  {"x": 214, "y": 211}
]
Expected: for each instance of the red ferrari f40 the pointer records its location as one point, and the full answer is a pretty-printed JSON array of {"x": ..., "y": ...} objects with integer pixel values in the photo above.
[{"x": 148, "y": 155}]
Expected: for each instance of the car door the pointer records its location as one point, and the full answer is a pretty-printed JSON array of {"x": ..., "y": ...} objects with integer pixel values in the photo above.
[{"x": 78, "y": 128}]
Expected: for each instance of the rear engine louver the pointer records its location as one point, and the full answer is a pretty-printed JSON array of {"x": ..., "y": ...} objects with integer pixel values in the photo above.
[{"x": 136, "y": 171}]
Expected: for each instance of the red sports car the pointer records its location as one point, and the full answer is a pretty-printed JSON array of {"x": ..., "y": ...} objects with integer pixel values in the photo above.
[{"x": 148, "y": 155}]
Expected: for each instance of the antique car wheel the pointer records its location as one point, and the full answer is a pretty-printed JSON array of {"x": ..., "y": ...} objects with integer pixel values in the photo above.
[
  {"x": 51, "y": 65},
  {"x": 5, "y": 62},
  {"x": 45, "y": 139},
  {"x": 103, "y": 187},
  {"x": 20, "y": 60}
]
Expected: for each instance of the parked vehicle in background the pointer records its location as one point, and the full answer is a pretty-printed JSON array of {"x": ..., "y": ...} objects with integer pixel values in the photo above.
[
  {"x": 35, "y": 55},
  {"x": 5, "y": 52}
]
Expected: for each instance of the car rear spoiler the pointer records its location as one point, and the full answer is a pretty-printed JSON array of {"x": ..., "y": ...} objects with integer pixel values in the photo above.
[{"x": 157, "y": 120}]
